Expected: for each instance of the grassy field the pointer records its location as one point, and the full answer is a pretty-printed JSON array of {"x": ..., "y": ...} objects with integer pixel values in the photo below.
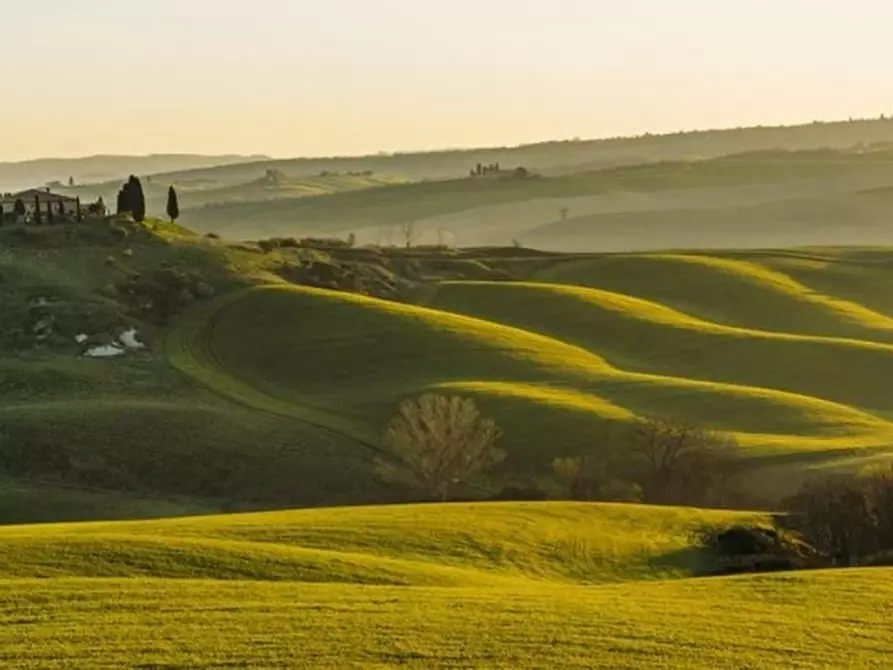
[
  {"x": 516, "y": 585},
  {"x": 272, "y": 394},
  {"x": 572, "y": 360}
]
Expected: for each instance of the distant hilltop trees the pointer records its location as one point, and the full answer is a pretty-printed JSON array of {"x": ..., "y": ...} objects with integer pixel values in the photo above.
[
  {"x": 495, "y": 169},
  {"x": 480, "y": 169}
]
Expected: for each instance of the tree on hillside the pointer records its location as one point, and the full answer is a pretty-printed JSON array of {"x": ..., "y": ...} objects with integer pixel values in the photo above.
[
  {"x": 173, "y": 205},
  {"x": 677, "y": 463},
  {"x": 137, "y": 199},
  {"x": 847, "y": 517},
  {"x": 656, "y": 461},
  {"x": 71, "y": 182},
  {"x": 121, "y": 205},
  {"x": 132, "y": 200},
  {"x": 436, "y": 442}
]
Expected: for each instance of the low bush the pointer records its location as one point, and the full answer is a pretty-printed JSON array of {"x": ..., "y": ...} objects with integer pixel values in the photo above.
[{"x": 743, "y": 549}]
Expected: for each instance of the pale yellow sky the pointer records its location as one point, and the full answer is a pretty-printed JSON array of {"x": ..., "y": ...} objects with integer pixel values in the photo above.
[{"x": 290, "y": 77}]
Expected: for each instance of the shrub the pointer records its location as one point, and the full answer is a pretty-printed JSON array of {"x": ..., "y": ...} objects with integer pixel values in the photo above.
[{"x": 742, "y": 549}]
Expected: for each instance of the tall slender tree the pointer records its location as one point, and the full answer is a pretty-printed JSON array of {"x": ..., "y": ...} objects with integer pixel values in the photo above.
[
  {"x": 78, "y": 215},
  {"x": 18, "y": 208},
  {"x": 137, "y": 199},
  {"x": 173, "y": 205},
  {"x": 121, "y": 206},
  {"x": 50, "y": 216},
  {"x": 38, "y": 215},
  {"x": 2, "y": 214}
]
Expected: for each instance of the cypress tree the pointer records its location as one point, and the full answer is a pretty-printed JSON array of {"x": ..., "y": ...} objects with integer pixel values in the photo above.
[
  {"x": 122, "y": 200},
  {"x": 18, "y": 207},
  {"x": 78, "y": 216},
  {"x": 38, "y": 215},
  {"x": 50, "y": 218},
  {"x": 61, "y": 208},
  {"x": 136, "y": 199},
  {"x": 173, "y": 205}
]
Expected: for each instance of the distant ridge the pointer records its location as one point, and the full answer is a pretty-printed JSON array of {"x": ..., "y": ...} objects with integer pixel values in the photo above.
[{"x": 15, "y": 175}]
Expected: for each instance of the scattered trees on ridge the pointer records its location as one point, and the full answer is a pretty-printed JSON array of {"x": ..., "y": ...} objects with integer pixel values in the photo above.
[
  {"x": 656, "y": 461},
  {"x": 437, "y": 442}
]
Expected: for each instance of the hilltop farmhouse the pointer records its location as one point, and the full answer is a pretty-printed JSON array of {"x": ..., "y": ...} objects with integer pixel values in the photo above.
[{"x": 22, "y": 207}]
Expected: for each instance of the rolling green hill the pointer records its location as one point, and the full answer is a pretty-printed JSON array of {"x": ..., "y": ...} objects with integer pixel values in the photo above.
[
  {"x": 255, "y": 392},
  {"x": 414, "y": 545},
  {"x": 517, "y": 585},
  {"x": 368, "y": 354}
]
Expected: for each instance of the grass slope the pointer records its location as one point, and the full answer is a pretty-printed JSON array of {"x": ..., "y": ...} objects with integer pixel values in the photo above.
[
  {"x": 368, "y": 354},
  {"x": 87, "y": 438},
  {"x": 460, "y": 544},
  {"x": 754, "y": 290},
  {"x": 286, "y": 388},
  {"x": 497, "y": 585},
  {"x": 650, "y": 337}
]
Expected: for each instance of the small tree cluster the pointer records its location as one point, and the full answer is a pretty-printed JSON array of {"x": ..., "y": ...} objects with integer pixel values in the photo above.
[
  {"x": 656, "y": 461},
  {"x": 848, "y": 518},
  {"x": 480, "y": 169},
  {"x": 131, "y": 199}
]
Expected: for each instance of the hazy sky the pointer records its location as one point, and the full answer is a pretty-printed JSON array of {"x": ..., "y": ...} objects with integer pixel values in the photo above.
[{"x": 321, "y": 77}]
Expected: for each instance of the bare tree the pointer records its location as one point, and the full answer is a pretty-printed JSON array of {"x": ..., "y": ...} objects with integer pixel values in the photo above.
[
  {"x": 847, "y": 517},
  {"x": 408, "y": 229},
  {"x": 437, "y": 442},
  {"x": 678, "y": 463}
]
